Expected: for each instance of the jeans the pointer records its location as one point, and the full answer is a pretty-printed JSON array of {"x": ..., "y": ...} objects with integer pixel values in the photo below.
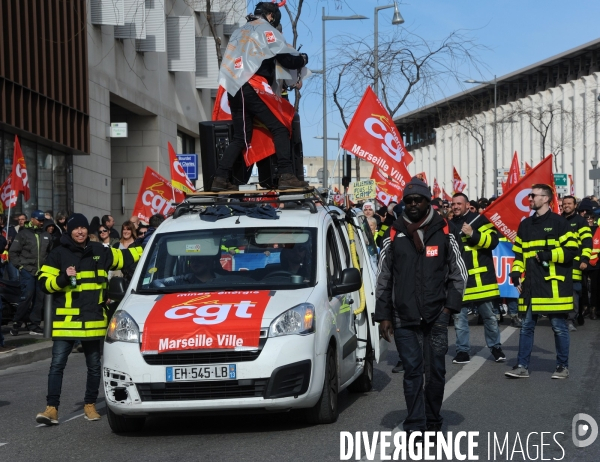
[
  {"x": 422, "y": 350},
  {"x": 60, "y": 355},
  {"x": 246, "y": 105},
  {"x": 32, "y": 299},
  {"x": 576, "y": 295},
  {"x": 561, "y": 338},
  {"x": 511, "y": 305},
  {"x": 490, "y": 324}
]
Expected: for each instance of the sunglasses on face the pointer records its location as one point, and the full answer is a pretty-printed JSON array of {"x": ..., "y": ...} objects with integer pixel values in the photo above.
[
  {"x": 103, "y": 230},
  {"x": 533, "y": 196},
  {"x": 414, "y": 200}
]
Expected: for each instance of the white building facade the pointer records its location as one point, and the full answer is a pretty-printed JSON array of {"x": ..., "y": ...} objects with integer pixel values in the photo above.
[{"x": 550, "y": 107}]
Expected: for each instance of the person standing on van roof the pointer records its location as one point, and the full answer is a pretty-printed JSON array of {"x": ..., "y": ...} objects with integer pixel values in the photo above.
[
  {"x": 76, "y": 273},
  {"x": 420, "y": 284}
]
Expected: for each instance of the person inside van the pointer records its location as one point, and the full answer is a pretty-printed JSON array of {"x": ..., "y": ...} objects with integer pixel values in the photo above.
[
  {"x": 293, "y": 260},
  {"x": 202, "y": 270}
]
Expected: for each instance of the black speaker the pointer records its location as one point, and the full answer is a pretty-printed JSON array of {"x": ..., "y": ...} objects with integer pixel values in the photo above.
[
  {"x": 268, "y": 174},
  {"x": 215, "y": 136}
]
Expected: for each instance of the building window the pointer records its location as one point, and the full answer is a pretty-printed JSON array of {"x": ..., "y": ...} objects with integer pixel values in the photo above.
[
  {"x": 49, "y": 173},
  {"x": 186, "y": 144}
]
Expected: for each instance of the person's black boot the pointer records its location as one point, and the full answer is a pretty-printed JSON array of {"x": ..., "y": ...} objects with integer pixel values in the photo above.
[
  {"x": 289, "y": 181},
  {"x": 222, "y": 184}
]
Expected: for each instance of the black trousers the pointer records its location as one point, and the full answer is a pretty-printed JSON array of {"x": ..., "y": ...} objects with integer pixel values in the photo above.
[
  {"x": 245, "y": 105},
  {"x": 422, "y": 350}
]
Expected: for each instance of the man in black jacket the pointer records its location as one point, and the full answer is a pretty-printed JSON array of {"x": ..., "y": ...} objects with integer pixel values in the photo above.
[
  {"x": 420, "y": 283},
  {"x": 246, "y": 104},
  {"x": 27, "y": 253}
]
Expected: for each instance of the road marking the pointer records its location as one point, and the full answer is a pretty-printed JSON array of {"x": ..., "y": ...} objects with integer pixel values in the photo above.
[
  {"x": 457, "y": 380},
  {"x": 3, "y": 444}
]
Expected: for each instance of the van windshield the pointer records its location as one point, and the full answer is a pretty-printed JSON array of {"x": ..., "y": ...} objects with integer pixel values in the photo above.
[{"x": 230, "y": 259}]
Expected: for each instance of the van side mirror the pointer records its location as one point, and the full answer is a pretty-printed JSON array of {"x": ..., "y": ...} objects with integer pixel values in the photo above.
[
  {"x": 116, "y": 289},
  {"x": 351, "y": 281}
]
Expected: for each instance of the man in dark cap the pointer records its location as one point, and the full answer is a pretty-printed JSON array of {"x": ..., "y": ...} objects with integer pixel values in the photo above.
[
  {"x": 27, "y": 253},
  {"x": 76, "y": 273},
  {"x": 420, "y": 283}
]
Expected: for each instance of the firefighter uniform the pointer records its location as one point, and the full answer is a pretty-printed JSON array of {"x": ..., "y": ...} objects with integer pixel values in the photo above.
[
  {"x": 548, "y": 289},
  {"x": 580, "y": 228},
  {"x": 482, "y": 286},
  {"x": 79, "y": 312}
]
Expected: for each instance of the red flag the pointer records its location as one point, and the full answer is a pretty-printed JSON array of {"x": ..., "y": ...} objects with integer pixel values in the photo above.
[
  {"x": 446, "y": 196},
  {"x": 511, "y": 208},
  {"x": 7, "y": 196},
  {"x": 261, "y": 145},
  {"x": 527, "y": 167},
  {"x": 178, "y": 176},
  {"x": 571, "y": 186},
  {"x": 504, "y": 185},
  {"x": 387, "y": 189},
  {"x": 423, "y": 177},
  {"x": 155, "y": 196},
  {"x": 458, "y": 184},
  {"x": 514, "y": 174},
  {"x": 436, "y": 188},
  {"x": 19, "y": 180},
  {"x": 373, "y": 136}
]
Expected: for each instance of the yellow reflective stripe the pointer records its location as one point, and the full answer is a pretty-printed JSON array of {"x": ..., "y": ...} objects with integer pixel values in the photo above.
[
  {"x": 79, "y": 333},
  {"x": 488, "y": 294},
  {"x": 566, "y": 236},
  {"x": 565, "y": 307},
  {"x": 89, "y": 286},
  {"x": 68, "y": 298},
  {"x": 86, "y": 274},
  {"x": 481, "y": 269},
  {"x": 471, "y": 290},
  {"x": 67, "y": 311},
  {"x": 530, "y": 254},
  {"x": 95, "y": 324},
  {"x": 552, "y": 300},
  {"x": 67, "y": 323},
  {"x": 117, "y": 259},
  {"x": 51, "y": 285},
  {"x": 571, "y": 243},
  {"x": 539, "y": 243},
  {"x": 518, "y": 266},
  {"x": 558, "y": 255},
  {"x": 554, "y": 277},
  {"x": 50, "y": 270},
  {"x": 136, "y": 252},
  {"x": 586, "y": 252}
]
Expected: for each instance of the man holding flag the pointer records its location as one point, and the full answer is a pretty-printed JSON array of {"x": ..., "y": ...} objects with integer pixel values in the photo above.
[{"x": 544, "y": 250}]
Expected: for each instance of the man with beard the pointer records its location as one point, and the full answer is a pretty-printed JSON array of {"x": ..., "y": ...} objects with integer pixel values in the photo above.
[
  {"x": 420, "y": 283},
  {"x": 544, "y": 250}
]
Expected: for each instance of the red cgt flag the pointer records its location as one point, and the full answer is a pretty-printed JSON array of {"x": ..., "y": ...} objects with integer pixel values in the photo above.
[
  {"x": 571, "y": 185},
  {"x": 373, "y": 136},
  {"x": 387, "y": 190},
  {"x": 423, "y": 177},
  {"x": 527, "y": 167},
  {"x": 19, "y": 179},
  {"x": 514, "y": 174},
  {"x": 458, "y": 184},
  {"x": 511, "y": 208},
  {"x": 178, "y": 176},
  {"x": 436, "y": 188},
  {"x": 155, "y": 196},
  {"x": 446, "y": 196}
]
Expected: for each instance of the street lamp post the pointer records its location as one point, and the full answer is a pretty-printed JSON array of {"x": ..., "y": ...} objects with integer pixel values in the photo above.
[
  {"x": 495, "y": 84},
  {"x": 329, "y": 18},
  {"x": 396, "y": 20},
  {"x": 595, "y": 166}
]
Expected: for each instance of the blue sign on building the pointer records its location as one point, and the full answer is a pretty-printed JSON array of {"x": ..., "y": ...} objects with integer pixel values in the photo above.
[{"x": 189, "y": 163}]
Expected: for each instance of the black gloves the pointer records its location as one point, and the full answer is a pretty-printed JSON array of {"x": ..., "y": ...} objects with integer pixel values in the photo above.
[
  {"x": 544, "y": 255},
  {"x": 514, "y": 277},
  {"x": 305, "y": 57}
]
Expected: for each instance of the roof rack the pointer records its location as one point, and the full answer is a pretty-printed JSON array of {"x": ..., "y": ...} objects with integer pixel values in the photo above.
[{"x": 196, "y": 202}]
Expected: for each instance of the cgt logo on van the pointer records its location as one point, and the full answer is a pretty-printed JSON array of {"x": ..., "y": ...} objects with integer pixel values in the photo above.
[
  {"x": 583, "y": 426},
  {"x": 197, "y": 321}
]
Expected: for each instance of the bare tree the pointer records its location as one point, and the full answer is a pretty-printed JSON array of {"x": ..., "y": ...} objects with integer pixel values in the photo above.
[
  {"x": 475, "y": 127},
  {"x": 294, "y": 18},
  {"x": 411, "y": 68}
]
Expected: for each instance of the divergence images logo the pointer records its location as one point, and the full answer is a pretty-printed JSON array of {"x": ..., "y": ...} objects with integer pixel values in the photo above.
[{"x": 590, "y": 428}]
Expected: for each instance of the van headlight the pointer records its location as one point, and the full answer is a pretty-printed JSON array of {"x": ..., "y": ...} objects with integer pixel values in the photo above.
[
  {"x": 297, "y": 320},
  {"x": 122, "y": 328}
]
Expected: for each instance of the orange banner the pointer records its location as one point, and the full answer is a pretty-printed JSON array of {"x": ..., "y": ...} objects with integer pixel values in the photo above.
[
  {"x": 387, "y": 189},
  {"x": 507, "y": 212},
  {"x": 205, "y": 321},
  {"x": 155, "y": 196},
  {"x": 373, "y": 136}
]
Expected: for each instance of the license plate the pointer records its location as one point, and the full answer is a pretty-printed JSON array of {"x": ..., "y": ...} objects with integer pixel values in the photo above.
[{"x": 201, "y": 373}]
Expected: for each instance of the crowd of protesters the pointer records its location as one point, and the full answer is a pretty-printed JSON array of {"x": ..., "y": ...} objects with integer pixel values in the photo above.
[
  {"x": 27, "y": 242},
  {"x": 482, "y": 301}
]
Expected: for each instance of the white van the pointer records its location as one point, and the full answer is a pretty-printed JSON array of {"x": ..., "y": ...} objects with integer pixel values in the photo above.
[{"x": 245, "y": 312}]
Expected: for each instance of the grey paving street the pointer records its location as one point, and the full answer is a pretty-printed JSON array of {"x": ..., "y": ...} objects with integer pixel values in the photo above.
[{"x": 478, "y": 398}]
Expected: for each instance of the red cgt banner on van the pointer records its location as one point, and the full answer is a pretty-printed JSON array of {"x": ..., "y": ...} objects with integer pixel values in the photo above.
[{"x": 205, "y": 321}]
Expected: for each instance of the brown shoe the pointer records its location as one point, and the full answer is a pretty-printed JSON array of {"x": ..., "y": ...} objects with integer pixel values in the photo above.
[
  {"x": 90, "y": 412},
  {"x": 222, "y": 184},
  {"x": 48, "y": 417},
  {"x": 289, "y": 181}
]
